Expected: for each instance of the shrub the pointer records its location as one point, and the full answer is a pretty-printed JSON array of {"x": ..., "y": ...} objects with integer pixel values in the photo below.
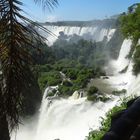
[
  {"x": 50, "y": 94},
  {"x": 65, "y": 91},
  {"x": 92, "y": 90},
  {"x": 103, "y": 98},
  {"x": 115, "y": 92},
  {"x": 49, "y": 79},
  {"x": 106, "y": 123}
]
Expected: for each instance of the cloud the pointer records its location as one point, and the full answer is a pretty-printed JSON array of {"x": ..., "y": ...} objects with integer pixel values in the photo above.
[{"x": 52, "y": 18}]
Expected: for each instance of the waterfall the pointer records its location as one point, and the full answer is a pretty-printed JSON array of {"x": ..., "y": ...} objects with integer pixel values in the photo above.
[
  {"x": 72, "y": 118},
  {"x": 96, "y": 33},
  {"x": 122, "y": 80},
  {"x": 122, "y": 62}
]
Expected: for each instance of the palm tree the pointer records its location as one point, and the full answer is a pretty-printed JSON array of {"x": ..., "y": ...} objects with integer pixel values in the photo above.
[{"x": 16, "y": 38}]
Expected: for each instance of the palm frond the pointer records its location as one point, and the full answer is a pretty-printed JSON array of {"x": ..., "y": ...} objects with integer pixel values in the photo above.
[
  {"x": 17, "y": 35},
  {"x": 50, "y": 4}
]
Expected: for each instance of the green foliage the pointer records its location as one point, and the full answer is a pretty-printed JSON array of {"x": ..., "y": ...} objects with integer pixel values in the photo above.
[
  {"x": 92, "y": 90},
  {"x": 130, "y": 24},
  {"x": 97, "y": 97},
  {"x": 67, "y": 83},
  {"x": 79, "y": 76},
  {"x": 44, "y": 68},
  {"x": 106, "y": 123},
  {"x": 79, "y": 79},
  {"x": 65, "y": 90},
  {"x": 71, "y": 73},
  {"x": 92, "y": 94},
  {"x": 82, "y": 80},
  {"x": 51, "y": 78},
  {"x": 118, "y": 92},
  {"x": 104, "y": 98}
]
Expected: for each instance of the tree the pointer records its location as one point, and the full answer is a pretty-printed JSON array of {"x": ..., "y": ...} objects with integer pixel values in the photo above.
[
  {"x": 16, "y": 39},
  {"x": 130, "y": 23}
]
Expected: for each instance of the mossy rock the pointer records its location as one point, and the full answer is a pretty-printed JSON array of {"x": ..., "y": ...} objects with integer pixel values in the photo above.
[
  {"x": 92, "y": 90},
  {"x": 118, "y": 92}
]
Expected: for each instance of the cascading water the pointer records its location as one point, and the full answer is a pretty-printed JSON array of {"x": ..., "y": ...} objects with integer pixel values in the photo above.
[
  {"x": 122, "y": 62},
  {"x": 122, "y": 80},
  {"x": 71, "y": 119},
  {"x": 66, "y": 119},
  {"x": 96, "y": 33}
]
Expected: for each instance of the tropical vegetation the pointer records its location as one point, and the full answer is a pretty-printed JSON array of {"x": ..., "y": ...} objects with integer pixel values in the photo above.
[{"x": 130, "y": 23}]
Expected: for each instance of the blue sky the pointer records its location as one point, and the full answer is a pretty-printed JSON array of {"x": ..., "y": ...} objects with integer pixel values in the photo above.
[{"x": 78, "y": 9}]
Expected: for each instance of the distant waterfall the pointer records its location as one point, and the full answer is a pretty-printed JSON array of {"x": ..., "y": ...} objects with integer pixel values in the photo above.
[{"x": 96, "y": 33}]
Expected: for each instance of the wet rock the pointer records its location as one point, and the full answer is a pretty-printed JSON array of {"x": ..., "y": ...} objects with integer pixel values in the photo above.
[{"x": 105, "y": 77}]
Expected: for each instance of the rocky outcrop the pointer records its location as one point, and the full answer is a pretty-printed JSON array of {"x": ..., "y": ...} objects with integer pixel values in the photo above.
[{"x": 125, "y": 125}]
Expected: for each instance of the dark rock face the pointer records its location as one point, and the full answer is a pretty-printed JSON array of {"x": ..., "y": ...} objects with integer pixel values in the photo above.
[{"x": 125, "y": 125}]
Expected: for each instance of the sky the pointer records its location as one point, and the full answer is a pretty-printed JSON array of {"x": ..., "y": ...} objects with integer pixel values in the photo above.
[{"x": 81, "y": 10}]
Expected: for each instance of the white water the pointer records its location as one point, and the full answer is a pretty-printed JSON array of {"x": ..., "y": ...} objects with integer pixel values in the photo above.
[
  {"x": 70, "y": 119},
  {"x": 96, "y": 33},
  {"x": 122, "y": 61},
  {"x": 66, "y": 119}
]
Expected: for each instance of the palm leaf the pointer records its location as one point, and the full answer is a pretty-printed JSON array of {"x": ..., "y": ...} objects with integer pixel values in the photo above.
[
  {"x": 50, "y": 4},
  {"x": 17, "y": 36}
]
